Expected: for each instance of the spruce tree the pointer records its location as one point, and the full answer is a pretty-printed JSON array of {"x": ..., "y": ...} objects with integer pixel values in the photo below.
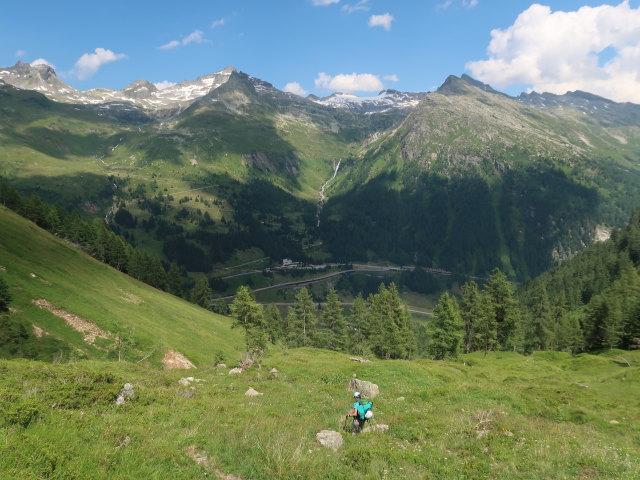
[
  {"x": 301, "y": 320},
  {"x": 504, "y": 306},
  {"x": 447, "y": 328},
  {"x": 539, "y": 332}
]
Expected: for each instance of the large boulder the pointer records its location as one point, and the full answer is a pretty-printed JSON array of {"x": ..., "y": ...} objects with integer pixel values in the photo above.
[
  {"x": 330, "y": 439},
  {"x": 366, "y": 389}
]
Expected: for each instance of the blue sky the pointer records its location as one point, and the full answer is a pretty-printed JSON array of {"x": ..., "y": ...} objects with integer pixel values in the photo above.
[{"x": 319, "y": 46}]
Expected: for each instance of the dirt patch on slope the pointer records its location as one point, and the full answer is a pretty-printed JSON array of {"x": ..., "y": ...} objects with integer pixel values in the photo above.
[
  {"x": 174, "y": 360},
  {"x": 201, "y": 459},
  {"x": 89, "y": 329},
  {"x": 130, "y": 297},
  {"x": 38, "y": 332}
]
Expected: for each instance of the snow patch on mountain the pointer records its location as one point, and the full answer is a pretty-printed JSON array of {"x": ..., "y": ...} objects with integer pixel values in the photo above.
[{"x": 386, "y": 100}]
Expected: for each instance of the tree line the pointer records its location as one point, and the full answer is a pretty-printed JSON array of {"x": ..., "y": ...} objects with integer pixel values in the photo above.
[
  {"x": 378, "y": 324},
  {"x": 97, "y": 239}
]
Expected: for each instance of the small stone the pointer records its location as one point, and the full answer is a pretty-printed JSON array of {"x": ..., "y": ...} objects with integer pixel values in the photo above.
[
  {"x": 221, "y": 365},
  {"x": 274, "y": 371},
  {"x": 184, "y": 382},
  {"x": 252, "y": 393},
  {"x": 235, "y": 371},
  {"x": 126, "y": 393},
  {"x": 400, "y": 399},
  {"x": 191, "y": 379},
  {"x": 508, "y": 433},
  {"x": 614, "y": 422},
  {"x": 330, "y": 439}
]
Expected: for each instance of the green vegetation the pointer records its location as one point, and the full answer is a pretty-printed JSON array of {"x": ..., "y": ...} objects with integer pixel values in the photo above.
[
  {"x": 505, "y": 416},
  {"x": 38, "y": 266}
]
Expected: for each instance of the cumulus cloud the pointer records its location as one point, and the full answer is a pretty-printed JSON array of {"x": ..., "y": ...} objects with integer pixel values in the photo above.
[
  {"x": 20, "y": 53},
  {"x": 42, "y": 61},
  {"x": 353, "y": 82},
  {"x": 89, "y": 63},
  {"x": 596, "y": 49},
  {"x": 361, "y": 5},
  {"x": 218, "y": 23},
  {"x": 391, "y": 78},
  {"x": 383, "y": 21},
  {"x": 295, "y": 88},
  {"x": 323, "y": 3},
  {"x": 197, "y": 36},
  {"x": 164, "y": 84}
]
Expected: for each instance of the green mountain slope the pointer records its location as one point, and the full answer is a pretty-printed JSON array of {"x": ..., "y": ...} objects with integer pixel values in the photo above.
[
  {"x": 474, "y": 179},
  {"x": 149, "y": 322}
]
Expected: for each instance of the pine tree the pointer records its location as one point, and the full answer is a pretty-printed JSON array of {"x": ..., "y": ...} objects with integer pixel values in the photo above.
[
  {"x": 201, "y": 292},
  {"x": 5, "y": 296},
  {"x": 333, "y": 320},
  {"x": 447, "y": 328},
  {"x": 301, "y": 320},
  {"x": 504, "y": 306},
  {"x": 249, "y": 315}
]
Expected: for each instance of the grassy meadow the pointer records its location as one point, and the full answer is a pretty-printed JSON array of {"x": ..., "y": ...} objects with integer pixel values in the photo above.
[{"x": 504, "y": 417}]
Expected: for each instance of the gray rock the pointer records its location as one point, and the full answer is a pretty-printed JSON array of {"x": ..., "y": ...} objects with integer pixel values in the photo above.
[
  {"x": 378, "y": 428},
  {"x": 330, "y": 439},
  {"x": 221, "y": 365},
  {"x": 252, "y": 393},
  {"x": 367, "y": 389},
  {"x": 400, "y": 399},
  {"x": 235, "y": 371},
  {"x": 126, "y": 393},
  {"x": 184, "y": 382},
  {"x": 274, "y": 371}
]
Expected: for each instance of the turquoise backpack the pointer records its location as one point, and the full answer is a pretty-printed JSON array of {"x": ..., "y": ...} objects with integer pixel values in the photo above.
[{"x": 363, "y": 407}]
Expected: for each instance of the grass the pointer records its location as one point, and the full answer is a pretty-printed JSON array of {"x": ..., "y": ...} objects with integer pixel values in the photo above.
[
  {"x": 38, "y": 265},
  {"x": 503, "y": 417}
]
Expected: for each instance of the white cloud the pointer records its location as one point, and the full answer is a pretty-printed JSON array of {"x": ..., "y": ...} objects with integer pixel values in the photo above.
[
  {"x": 197, "y": 36},
  {"x": 559, "y": 52},
  {"x": 464, "y": 3},
  {"x": 20, "y": 53},
  {"x": 42, "y": 61},
  {"x": 353, "y": 82},
  {"x": 295, "y": 88},
  {"x": 164, "y": 84},
  {"x": 383, "y": 21},
  {"x": 89, "y": 63},
  {"x": 218, "y": 23},
  {"x": 391, "y": 78},
  {"x": 323, "y": 3},
  {"x": 361, "y": 5}
]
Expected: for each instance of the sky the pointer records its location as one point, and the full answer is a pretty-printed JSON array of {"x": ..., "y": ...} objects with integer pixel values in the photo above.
[{"x": 323, "y": 46}]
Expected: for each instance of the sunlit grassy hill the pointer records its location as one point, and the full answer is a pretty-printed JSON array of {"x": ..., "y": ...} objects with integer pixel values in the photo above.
[
  {"x": 503, "y": 417},
  {"x": 40, "y": 267}
]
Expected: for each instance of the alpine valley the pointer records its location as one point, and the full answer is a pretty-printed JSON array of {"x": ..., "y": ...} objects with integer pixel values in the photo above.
[{"x": 463, "y": 179}]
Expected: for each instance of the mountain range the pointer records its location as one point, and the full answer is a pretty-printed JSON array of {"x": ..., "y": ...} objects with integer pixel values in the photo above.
[{"x": 464, "y": 178}]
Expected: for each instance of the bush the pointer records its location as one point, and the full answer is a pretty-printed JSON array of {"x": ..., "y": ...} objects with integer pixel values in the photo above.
[{"x": 5, "y": 296}]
